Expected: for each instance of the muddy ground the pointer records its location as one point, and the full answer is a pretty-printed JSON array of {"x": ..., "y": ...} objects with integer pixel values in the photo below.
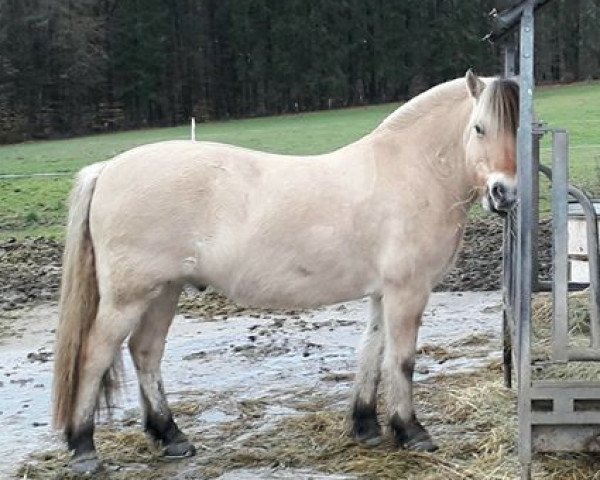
[
  {"x": 30, "y": 269},
  {"x": 266, "y": 396},
  {"x": 230, "y": 382}
]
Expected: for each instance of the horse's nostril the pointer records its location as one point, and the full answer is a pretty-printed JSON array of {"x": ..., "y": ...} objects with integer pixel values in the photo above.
[{"x": 498, "y": 191}]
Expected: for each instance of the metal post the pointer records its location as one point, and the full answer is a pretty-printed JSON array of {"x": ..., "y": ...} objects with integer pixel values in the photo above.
[
  {"x": 508, "y": 309},
  {"x": 506, "y": 349},
  {"x": 560, "y": 307},
  {"x": 594, "y": 260},
  {"x": 535, "y": 194},
  {"x": 525, "y": 220},
  {"x": 509, "y": 60}
]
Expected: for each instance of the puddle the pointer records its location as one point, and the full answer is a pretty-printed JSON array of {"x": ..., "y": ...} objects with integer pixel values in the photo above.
[
  {"x": 287, "y": 474},
  {"x": 230, "y": 365}
]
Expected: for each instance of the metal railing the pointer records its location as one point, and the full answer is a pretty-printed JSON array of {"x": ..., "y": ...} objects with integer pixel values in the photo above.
[
  {"x": 560, "y": 424},
  {"x": 553, "y": 415}
]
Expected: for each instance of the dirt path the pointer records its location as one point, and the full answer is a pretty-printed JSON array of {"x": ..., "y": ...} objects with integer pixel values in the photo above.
[{"x": 242, "y": 369}]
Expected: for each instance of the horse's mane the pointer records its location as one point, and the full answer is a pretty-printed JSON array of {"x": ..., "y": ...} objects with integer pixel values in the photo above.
[
  {"x": 422, "y": 104},
  {"x": 499, "y": 102}
]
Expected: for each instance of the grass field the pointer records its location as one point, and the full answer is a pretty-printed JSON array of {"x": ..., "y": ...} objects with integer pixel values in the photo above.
[
  {"x": 576, "y": 108},
  {"x": 36, "y": 206}
]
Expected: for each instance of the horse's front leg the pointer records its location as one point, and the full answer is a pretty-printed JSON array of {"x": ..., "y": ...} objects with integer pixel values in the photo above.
[
  {"x": 402, "y": 311},
  {"x": 365, "y": 426}
]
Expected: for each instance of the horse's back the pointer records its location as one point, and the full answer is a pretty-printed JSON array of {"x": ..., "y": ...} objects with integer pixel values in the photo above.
[{"x": 215, "y": 214}]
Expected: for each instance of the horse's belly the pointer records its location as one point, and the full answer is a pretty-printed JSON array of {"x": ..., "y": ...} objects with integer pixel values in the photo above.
[
  {"x": 277, "y": 281},
  {"x": 292, "y": 291}
]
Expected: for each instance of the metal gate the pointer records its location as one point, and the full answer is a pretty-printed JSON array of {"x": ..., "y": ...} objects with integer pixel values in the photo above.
[{"x": 553, "y": 415}]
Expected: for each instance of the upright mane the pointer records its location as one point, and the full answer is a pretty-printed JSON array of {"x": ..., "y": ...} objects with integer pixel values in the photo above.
[
  {"x": 499, "y": 104},
  {"x": 422, "y": 104}
]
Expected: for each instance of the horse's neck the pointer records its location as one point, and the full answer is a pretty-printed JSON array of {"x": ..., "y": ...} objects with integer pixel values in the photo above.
[
  {"x": 427, "y": 157},
  {"x": 429, "y": 135}
]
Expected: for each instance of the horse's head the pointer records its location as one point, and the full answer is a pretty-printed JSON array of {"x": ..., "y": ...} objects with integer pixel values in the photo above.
[{"x": 490, "y": 140}]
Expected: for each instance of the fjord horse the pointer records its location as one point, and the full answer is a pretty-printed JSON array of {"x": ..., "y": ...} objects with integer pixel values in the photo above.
[{"x": 380, "y": 218}]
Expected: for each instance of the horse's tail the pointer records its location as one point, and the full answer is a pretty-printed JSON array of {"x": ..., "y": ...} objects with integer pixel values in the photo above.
[{"x": 79, "y": 298}]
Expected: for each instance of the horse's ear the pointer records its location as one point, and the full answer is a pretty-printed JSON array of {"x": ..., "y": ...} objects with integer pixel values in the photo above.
[{"x": 474, "y": 84}]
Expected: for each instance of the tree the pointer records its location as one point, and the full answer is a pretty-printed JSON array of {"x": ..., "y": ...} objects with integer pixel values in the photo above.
[{"x": 69, "y": 67}]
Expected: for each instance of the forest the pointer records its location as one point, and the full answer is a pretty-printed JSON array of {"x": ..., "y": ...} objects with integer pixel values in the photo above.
[{"x": 69, "y": 67}]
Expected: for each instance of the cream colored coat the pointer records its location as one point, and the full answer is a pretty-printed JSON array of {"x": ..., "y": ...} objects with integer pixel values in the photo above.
[
  {"x": 382, "y": 217},
  {"x": 275, "y": 230}
]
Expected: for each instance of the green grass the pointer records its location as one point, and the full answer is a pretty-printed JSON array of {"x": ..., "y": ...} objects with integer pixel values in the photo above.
[
  {"x": 35, "y": 206},
  {"x": 294, "y": 134},
  {"x": 577, "y": 109}
]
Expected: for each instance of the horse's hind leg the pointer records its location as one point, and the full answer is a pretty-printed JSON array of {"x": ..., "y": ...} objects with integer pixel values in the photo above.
[
  {"x": 147, "y": 345},
  {"x": 365, "y": 426},
  {"x": 402, "y": 317},
  {"x": 110, "y": 328}
]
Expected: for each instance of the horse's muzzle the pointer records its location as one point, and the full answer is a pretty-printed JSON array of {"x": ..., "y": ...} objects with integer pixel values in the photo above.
[{"x": 501, "y": 198}]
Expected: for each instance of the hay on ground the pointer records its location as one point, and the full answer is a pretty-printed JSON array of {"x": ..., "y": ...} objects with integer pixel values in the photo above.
[{"x": 472, "y": 416}]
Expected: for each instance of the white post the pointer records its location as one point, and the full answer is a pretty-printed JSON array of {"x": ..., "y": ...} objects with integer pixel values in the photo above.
[{"x": 193, "y": 129}]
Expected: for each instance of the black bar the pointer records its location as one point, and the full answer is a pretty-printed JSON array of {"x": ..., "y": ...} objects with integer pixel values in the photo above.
[{"x": 505, "y": 21}]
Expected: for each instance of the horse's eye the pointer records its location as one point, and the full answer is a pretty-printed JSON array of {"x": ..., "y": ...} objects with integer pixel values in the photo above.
[{"x": 479, "y": 129}]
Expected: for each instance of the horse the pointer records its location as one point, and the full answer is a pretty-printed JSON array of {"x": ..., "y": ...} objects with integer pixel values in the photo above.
[{"x": 380, "y": 218}]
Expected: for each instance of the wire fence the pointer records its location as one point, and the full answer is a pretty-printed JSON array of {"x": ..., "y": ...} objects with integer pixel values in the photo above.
[{"x": 10, "y": 176}]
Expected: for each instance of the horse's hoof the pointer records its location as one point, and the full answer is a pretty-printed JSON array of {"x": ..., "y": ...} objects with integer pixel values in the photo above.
[
  {"x": 411, "y": 435},
  {"x": 174, "y": 451},
  {"x": 85, "y": 464},
  {"x": 424, "y": 444},
  {"x": 370, "y": 437},
  {"x": 371, "y": 441},
  {"x": 365, "y": 427}
]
